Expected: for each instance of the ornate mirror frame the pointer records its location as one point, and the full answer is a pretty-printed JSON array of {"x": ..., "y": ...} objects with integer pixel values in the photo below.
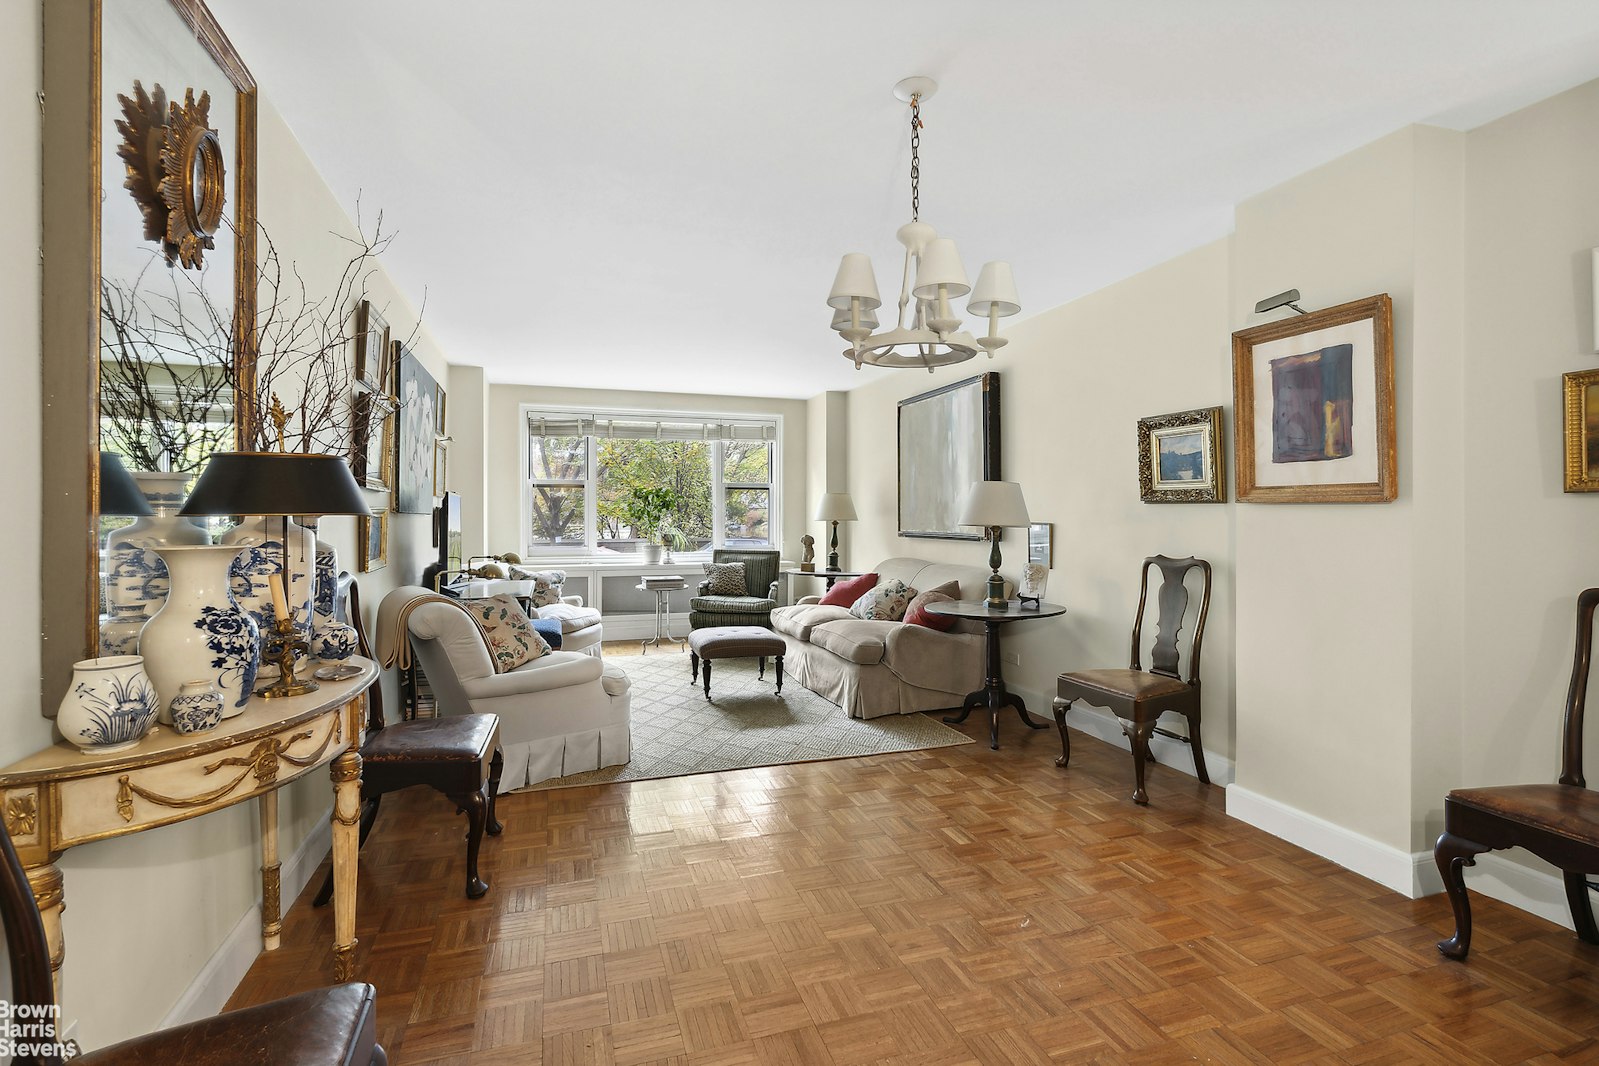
[{"x": 73, "y": 158}]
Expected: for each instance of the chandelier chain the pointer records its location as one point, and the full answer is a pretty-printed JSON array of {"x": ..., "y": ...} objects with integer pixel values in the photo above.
[{"x": 916, "y": 158}]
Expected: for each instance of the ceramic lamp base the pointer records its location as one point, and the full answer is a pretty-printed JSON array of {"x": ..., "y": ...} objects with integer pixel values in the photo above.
[{"x": 996, "y": 592}]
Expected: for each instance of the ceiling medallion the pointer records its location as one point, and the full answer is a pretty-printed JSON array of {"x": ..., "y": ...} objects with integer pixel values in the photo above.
[
  {"x": 176, "y": 170},
  {"x": 933, "y": 276}
]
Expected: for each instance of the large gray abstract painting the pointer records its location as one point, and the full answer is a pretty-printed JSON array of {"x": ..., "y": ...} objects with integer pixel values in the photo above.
[{"x": 948, "y": 438}]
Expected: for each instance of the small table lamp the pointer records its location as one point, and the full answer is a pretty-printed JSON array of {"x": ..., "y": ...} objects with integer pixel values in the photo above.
[
  {"x": 278, "y": 484},
  {"x": 835, "y": 507},
  {"x": 119, "y": 495},
  {"x": 995, "y": 505}
]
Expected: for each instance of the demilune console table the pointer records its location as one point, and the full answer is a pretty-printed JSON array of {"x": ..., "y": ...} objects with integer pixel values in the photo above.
[
  {"x": 60, "y": 798},
  {"x": 993, "y": 694}
]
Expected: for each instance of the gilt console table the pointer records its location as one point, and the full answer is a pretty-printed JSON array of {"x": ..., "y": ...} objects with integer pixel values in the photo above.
[{"x": 59, "y": 797}]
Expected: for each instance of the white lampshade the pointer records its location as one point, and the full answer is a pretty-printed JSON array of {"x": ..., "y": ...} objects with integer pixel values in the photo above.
[
  {"x": 995, "y": 503},
  {"x": 868, "y": 319},
  {"x": 854, "y": 279},
  {"x": 837, "y": 507},
  {"x": 940, "y": 265},
  {"x": 996, "y": 288}
]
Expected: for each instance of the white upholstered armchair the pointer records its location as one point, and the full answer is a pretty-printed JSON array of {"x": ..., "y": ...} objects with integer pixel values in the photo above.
[{"x": 560, "y": 714}]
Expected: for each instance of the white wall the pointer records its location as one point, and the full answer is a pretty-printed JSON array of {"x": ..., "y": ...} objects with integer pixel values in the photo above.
[
  {"x": 505, "y": 445},
  {"x": 1074, "y": 381}
]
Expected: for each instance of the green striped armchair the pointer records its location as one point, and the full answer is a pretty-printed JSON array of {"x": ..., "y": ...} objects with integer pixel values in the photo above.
[{"x": 760, "y": 580}]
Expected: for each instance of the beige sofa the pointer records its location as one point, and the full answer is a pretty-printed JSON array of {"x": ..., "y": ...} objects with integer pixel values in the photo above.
[{"x": 876, "y": 668}]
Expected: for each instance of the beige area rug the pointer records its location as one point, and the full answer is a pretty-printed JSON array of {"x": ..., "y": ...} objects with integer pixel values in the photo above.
[{"x": 676, "y": 732}]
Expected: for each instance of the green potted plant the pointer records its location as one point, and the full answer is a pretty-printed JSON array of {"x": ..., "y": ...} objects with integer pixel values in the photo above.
[{"x": 645, "y": 510}]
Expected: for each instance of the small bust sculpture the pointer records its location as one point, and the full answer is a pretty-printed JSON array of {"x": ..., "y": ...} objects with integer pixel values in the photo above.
[{"x": 808, "y": 559}]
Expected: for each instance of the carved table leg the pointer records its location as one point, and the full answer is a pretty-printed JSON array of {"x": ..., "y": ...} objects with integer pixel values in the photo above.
[
  {"x": 271, "y": 888},
  {"x": 346, "y": 772},
  {"x": 49, "y": 894}
]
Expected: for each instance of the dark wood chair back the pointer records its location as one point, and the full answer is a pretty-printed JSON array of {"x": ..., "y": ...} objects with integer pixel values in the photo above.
[
  {"x": 1577, "y": 694},
  {"x": 348, "y": 603},
  {"x": 1172, "y": 599},
  {"x": 31, "y": 982}
]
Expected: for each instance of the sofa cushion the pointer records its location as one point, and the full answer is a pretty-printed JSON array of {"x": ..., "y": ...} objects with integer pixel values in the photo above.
[
  {"x": 845, "y": 593},
  {"x": 855, "y": 639},
  {"x": 732, "y": 604},
  {"x": 726, "y": 579},
  {"x": 798, "y": 621},
  {"x": 884, "y": 602},
  {"x": 917, "y": 614},
  {"x": 571, "y": 618},
  {"x": 508, "y": 630}
]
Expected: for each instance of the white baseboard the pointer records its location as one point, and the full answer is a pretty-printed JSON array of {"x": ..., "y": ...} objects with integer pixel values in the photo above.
[
  {"x": 1102, "y": 725},
  {"x": 211, "y": 987}
]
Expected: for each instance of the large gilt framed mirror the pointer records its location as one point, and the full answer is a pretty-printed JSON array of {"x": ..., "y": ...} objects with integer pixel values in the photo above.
[{"x": 149, "y": 289}]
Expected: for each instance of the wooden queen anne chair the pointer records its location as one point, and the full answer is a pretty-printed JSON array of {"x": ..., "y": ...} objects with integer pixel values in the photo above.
[
  {"x": 1141, "y": 696},
  {"x": 1559, "y": 823}
]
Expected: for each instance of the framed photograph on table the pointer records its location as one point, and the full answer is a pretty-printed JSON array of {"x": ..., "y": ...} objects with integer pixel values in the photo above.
[
  {"x": 948, "y": 438},
  {"x": 373, "y": 531},
  {"x": 1581, "y": 391},
  {"x": 1180, "y": 458},
  {"x": 1313, "y": 407}
]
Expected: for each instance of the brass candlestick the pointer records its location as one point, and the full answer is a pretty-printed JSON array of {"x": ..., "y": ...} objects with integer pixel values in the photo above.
[{"x": 283, "y": 646}]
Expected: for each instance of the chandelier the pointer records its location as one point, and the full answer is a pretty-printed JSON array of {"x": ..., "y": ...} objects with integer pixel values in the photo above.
[{"x": 933, "y": 276}]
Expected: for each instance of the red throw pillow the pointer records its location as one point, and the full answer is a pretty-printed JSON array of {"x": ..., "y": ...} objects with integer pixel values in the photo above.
[
  {"x": 846, "y": 592},
  {"x": 917, "y": 614}
]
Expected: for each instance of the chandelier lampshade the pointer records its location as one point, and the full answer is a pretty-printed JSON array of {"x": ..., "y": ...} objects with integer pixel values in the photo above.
[{"x": 933, "y": 276}]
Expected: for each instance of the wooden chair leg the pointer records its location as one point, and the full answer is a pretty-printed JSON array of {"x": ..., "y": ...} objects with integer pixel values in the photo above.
[
  {"x": 496, "y": 768},
  {"x": 369, "y": 815},
  {"x": 779, "y": 675},
  {"x": 1060, "y": 707},
  {"x": 1139, "y": 735},
  {"x": 760, "y": 674},
  {"x": 1581, "y": 912},
  {"x": 707, "y": 680},
  {"x": 475, "y": 806},
  {"x": 1453, "y": 854},
  {"x": 1198, "y": 745},
  {"x": 693, "y": 667}
]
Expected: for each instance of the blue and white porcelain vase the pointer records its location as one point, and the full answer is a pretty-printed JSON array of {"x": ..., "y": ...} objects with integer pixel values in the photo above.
[
  {"x": 119, "y": 633},
  {"x": 201, "y": 632},
  {"x": 135, "y": 577},
  {"x": 331, "y": 639},
  {"x": 263, "y": 541},
  {"x": 109, "y": 706},
  {"x": 196, "y": 708}
]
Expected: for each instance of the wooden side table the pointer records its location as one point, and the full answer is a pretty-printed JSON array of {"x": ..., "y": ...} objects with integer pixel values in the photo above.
[
  {"x": 59, "y": 798},
  {"x": 993, "y": 694}
]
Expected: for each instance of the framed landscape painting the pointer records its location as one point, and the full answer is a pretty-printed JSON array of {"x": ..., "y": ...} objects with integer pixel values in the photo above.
[
  {"x": 948, "y": 438},
  {"x": 1313, "y": 407},
  {"x": 1180, "y": 458},
  {"x": 374, "y": 543},
  {"x": 1581, "y": 391}
]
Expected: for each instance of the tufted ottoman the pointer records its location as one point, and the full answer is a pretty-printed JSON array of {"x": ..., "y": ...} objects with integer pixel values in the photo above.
[{"x": 734, "y": 642}]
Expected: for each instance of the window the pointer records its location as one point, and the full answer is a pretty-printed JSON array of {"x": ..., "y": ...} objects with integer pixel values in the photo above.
[{"x": 585, "y": 469}]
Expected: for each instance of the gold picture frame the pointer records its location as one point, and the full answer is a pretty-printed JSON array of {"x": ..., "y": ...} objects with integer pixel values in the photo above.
[
  {"x": 1581, "y": 393},
  {"x": 1313, "y": 407},
  {"x": 1180, "y": 457},
  {"x": 373, "y": 548}
]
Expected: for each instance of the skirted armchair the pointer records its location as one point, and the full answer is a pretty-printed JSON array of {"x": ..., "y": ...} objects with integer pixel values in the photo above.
[{"x": 754, "y": 608}]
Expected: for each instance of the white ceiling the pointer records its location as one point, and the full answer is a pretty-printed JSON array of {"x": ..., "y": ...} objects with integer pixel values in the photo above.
[{"x": 654, "y": 195}]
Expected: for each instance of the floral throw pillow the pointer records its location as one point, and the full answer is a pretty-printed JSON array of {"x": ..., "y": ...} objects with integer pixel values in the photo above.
[
  {"x": 727, "y": 579},
  {"x": 884, "y": 603},
  {"x": 546, "y": 584},
  {"x": 511, "y": 638}
]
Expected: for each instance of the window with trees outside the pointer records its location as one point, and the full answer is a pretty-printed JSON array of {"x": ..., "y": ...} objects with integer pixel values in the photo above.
[{"x": 600, "y": 484}]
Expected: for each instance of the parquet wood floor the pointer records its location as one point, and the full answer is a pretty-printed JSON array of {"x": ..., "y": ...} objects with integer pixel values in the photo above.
[{"x": 954, "y": 906}]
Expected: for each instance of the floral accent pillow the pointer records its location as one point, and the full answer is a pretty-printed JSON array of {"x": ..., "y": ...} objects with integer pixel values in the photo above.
[
  {"x": 727, "y": 579},
  {"x": 546, "y": 584},
  {"x": 884, "y": 603},
  {"x": 509, "y": 632}
]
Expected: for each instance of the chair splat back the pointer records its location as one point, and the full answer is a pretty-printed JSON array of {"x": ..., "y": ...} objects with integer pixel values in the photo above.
[
  {"x": 1577, "y": 694},
  {"x": 25, "y": 939},
  {"x": 349, "y": 599},
  {"x": 1172, "y": 600}
]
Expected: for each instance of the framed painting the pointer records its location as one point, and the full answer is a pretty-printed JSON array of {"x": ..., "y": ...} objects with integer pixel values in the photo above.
[
  {"x": 441, "y": 466},
  {"x": 1313, "y": 407},
  {"x": 1582, "y": 431},
  {"x": 1180, "y": 458},
  {"x": 948, "y": 438},
  {"x": 1041, "y": 543},
  {"x": 371, "y": 348},
  {"x": 374, "y": 536},
  {"x": 418, "y": 394}
]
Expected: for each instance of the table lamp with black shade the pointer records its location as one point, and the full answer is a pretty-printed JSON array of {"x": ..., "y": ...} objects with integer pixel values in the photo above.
[
  {"x": 278, "y": 484},
  {"x": 119, "y": 493},
  {"x": 995, "y": 505}
]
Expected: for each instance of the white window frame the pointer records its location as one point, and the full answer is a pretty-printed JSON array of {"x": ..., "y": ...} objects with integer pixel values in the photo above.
[{"x": 590, "y": 484}]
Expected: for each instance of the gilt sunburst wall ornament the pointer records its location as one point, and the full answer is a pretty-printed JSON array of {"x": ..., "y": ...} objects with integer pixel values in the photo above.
[{"x": 176, "y": 171}]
